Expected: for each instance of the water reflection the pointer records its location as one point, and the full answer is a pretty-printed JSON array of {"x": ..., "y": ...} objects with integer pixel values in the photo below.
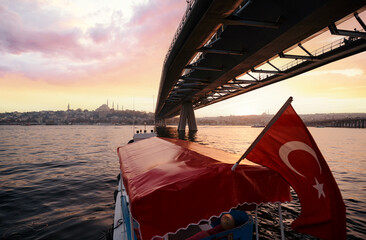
[
  {"x": 58, "y": 181},
  {"x": 168, "y": 132},
  {"x": 172, "y": 132}
]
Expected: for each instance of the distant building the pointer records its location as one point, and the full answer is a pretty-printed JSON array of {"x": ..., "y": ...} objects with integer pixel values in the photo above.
[
  {"x": 103, "y": 111},
  {"x": 103, "y": 108}
]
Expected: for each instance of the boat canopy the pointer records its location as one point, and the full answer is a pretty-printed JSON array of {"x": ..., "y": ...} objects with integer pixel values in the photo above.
[{"x": 173, "y": 183}]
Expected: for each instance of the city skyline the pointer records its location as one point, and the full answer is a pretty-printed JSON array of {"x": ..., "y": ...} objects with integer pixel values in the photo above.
[
  {"x": 69, "y": 106},
  {"x": 106, "y": 116},
  {"x": 80, "y": 53}
]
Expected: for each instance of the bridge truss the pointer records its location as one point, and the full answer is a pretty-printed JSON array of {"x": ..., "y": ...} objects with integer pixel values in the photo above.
[{"x": 226, "y": 48}]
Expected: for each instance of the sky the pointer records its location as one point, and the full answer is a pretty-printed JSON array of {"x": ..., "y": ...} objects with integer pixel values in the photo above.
[{"x": 85, "y": 53}]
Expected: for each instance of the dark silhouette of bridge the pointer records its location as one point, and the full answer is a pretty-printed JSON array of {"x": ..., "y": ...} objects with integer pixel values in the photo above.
[
  {"x": 340, "y": 123},
  {"x": 221, "y": 48}
]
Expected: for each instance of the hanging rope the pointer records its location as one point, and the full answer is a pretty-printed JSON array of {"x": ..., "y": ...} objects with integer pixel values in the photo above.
[
  {"x": 119, "y": 223},
  {"x": 256, "y": 222}
]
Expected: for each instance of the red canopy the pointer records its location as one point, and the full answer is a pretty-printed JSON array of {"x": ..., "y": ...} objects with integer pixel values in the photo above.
[{"x": 173, "y": 183}]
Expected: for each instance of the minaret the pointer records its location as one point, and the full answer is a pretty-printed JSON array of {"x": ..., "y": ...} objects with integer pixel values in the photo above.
[{"x": 68, "y": 107}]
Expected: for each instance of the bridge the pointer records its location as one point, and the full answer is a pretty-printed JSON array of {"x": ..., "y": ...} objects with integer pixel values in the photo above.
[
  {"x": 340, "y": 123},
  {"x": 224, "y": 48}
]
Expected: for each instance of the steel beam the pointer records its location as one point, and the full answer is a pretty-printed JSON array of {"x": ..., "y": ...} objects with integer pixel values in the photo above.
[
  {"x": 218, "y": 51},
  {"x": 333, "y": 29},
  {"x": 290, "y": 56},
  {"x": 190, "y": 79},
  {"x": 304, "y": 49},
  {"x": 213, "y": 42},
  {"x": 173, "y": 100},
  {"x": 191, "y": 84},
  {"x": 267, "y": 71},
  {"x": 183, "y": 90},
  {"x": 359, "y": 20},
  {"x": 203, "y": 68},
  {"x": 179, "y": 95},
  {"x": 223, "y": 91},
  {"x": 238, "y": 21},
  {"x": 228, "y": 88},
  {"x": 252, "y": 77},
  {"x": 239, "y": 81},
  {"x": 273, "y": 66}
]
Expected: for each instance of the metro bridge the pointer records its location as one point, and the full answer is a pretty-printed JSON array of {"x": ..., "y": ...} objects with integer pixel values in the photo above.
[
  {"x": 340, "y": 123},
  {"x": 221, "y": 49}
]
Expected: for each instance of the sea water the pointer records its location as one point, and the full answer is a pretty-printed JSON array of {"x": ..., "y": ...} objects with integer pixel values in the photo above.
[{"x": 57, "y": 182}]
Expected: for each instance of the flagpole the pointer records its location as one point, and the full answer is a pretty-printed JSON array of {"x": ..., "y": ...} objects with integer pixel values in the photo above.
[{"x": 273, "y": 120}]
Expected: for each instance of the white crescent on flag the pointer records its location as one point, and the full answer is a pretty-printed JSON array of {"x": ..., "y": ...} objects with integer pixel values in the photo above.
[{"x": 288, "y": 147}]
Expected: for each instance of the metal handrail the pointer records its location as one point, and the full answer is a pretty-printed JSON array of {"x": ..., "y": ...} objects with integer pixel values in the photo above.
[
  {"x": 190, "y": 4},
  {"x": 320, "y": 51}
]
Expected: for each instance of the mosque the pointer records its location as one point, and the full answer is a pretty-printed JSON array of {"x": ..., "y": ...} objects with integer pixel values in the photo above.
[
  {"x": 103, "y": 108},
  {"x": 106, "y": 108}
]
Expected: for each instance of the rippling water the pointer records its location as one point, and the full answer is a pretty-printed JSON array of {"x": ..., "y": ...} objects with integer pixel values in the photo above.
[{"x": 57, "y": 182}]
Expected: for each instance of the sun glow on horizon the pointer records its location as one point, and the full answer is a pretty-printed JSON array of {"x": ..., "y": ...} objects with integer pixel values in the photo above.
[{"x": 83, "y": 53}]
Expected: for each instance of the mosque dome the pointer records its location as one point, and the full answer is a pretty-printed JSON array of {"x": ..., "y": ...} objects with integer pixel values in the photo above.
[{"x": 103, "y": 108}]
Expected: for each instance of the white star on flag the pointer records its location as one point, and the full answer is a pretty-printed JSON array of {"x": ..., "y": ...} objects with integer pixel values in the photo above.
[{"x": 319, "y": 187}]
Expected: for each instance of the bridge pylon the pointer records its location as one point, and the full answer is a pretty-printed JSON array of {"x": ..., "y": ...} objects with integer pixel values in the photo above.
[
  {"x": 160, "y": 122},
  {"x": 187, "y": 113}
]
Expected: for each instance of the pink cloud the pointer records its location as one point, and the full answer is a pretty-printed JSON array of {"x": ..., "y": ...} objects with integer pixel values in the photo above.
[
  {"x": 100, "y": 33},
  {"x": 153, "y": 27},
  {"x": 158, "y": 19},
  {"x": 159, "y": 12},
  {"x": 139, "y": 44},
  {"x": 16, "y": 37}
]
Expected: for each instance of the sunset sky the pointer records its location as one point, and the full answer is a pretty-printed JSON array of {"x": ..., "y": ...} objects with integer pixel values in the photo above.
[{"x": 82, "y": 52}]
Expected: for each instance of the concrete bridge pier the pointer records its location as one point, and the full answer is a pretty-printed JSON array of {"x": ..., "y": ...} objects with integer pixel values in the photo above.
[
  {"x": 160, "y": 122},
  {"x": 187, "y": 113}
]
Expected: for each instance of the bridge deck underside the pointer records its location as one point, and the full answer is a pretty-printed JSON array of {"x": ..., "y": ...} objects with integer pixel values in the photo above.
[{"x": 233, "y": 42}]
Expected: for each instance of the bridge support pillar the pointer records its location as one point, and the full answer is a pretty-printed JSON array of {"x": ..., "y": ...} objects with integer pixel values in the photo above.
[
  {"x": 160, "y": 123},
  {"x": 187, "y": 113}
]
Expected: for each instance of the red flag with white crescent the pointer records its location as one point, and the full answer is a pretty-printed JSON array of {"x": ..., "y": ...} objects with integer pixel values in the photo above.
[{"x": 288, "y": 148}]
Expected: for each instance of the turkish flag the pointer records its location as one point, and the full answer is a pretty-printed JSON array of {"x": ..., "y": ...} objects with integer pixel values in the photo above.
[{"x": 288, "y": 148}]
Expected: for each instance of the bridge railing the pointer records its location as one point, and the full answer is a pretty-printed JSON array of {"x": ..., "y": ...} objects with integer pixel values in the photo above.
[
  {"x": 324, "y": 49},
  {"x": 320, "y": 51},
  {"x": 216, "y": 94},
  {"x": 190, "y": 5}
]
